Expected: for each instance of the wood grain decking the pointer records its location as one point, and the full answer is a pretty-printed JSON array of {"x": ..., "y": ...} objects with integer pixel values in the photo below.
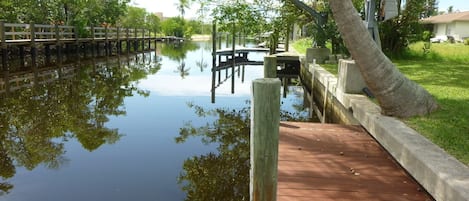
[{"x": 328, "y": 162}]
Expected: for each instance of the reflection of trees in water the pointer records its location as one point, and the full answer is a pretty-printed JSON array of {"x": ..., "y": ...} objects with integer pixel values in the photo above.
[
  {"x": 177, "y": 51},
  {"x": 201, "y": 64},
  {"x": 223, "y": 175},
  {"x": 36, "y": 122},
  {"x": 182, "y": 70}
]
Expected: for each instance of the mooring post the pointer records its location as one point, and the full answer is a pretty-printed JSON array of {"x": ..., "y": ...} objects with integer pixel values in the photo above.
[
  {"x": 270, "y": 66},
  {"x": 149, "y": 39},
  {"x": 234, "y": 59},
  {"x": 143, "y": 40},
  {"x": 106, "y": 40},
  {"x": 312, "y": 70},
  {"x": 77, "y": 41},
  {"x": 219, "y": 40},
  {"x": 118, "y": 43},
  {"x": 326, "y": 90},
  {"x": 127, "y": 40},
  {"x": 214, "y": 59},
  {"x": 3, "y": 45},
  {"x": 227, "y": 40},
  {"x": 93, "y": 41},
  {"x": 33, "y": 44},
  {"x": 58, "y": 46},
  {"x": 265, "y": 121},
  {"x": 136, "y": 40}
]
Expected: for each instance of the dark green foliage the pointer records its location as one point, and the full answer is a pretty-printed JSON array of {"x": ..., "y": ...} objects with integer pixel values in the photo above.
[
  {"x": 396, "y": 34},
  {"x": 36, "y": 121},
  {"x": 174, "y": 26}
]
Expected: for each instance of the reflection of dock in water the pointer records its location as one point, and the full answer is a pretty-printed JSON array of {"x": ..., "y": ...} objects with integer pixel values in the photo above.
[
  {"x": 28, "y": 77},
  {"x": 288, "y": 66}
]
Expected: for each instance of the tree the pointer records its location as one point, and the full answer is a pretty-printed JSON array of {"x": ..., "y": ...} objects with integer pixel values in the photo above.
[
  {"x": 431, "y": 8},
  {"x": 397, "y": 95},
  {"x": 175, "y": 26},
  {"x": 182, "y": 5},
  {"x": 450, "y": 9},
  {"x": 135, "y": 18},
  {"x": 153, "y": 23},
  {"x": 404, "y": 29}
]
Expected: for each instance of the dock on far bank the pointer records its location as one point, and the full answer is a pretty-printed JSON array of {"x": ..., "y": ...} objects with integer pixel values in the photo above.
[
  {"x": 245, "y": 50},
  {"x": 331, "y": 162}
]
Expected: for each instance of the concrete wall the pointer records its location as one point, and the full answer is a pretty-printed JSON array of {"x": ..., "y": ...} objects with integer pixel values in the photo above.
[
  {"x": 444, "y": 177},
  {"x": 334, "y": 112}
]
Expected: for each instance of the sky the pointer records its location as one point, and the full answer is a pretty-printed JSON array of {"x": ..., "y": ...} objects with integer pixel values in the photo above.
[
  {"x": 461, "y": 5},
  {"x": 168, "y": 7}
]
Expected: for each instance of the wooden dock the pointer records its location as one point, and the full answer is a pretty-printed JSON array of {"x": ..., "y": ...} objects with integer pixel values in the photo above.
[
  {"x": 329, "y": 162},
  {"x": 244, "y": 50},
  {"x": 18, "y": 39}
]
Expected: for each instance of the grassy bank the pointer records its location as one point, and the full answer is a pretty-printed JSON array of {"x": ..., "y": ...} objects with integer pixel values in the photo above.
[{"x": 443, "y": 72}]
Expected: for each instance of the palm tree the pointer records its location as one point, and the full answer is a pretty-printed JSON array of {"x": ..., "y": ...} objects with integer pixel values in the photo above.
[
  {"x": 397, "y": 95},
  {"x": 182, "y": 70},
  {"x": 182, "y": 6}
]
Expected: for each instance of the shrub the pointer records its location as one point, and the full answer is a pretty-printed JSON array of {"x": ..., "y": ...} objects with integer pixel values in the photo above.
[
  {"x": 426, "y": 35},
  {"x": 466, "y": 41}
]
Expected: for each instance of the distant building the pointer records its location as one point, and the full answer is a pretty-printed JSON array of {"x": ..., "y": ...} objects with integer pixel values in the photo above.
[
  {"x": 452, "y": 24},
  {"x": 159, "y": 15}
]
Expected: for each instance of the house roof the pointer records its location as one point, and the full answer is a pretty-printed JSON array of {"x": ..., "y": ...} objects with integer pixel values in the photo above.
[{"x": 447, "y": 18}]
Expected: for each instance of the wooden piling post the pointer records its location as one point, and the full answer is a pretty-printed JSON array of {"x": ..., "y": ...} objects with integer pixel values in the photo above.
[
  {"x": 219, "y": 36},
  {"x": 93, "y": 41},
  {"x": 3, "y": 45},
  {"x": 265, "y": 121},
  {"x": 270, "y": 66},
  {"x": 233, "y": 55},
  {"x": 136, "y": 40},
  {"x": 106, "y": 40},
  {"x": 149, "y": 39},
  {"x": 33, "y": 44},
  {"x": 326, "y": 90},
  {"x": 127, "y": 40},
  {"x": 77, "y": 41},
  {"x": 58, "y": 45},
  {"x": 227, "y": 40},
  {"x": 119, "y": 42},
  {"x": 143, "y": 40},
  {"x": 214, "y": 59}
]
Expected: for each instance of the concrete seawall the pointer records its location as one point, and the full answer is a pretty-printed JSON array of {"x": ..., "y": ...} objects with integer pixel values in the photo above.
[{"x": 444, "y": 177}]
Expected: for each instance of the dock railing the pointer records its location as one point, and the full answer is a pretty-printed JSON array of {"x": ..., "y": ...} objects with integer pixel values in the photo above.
[{"x": 18, "y": 33}]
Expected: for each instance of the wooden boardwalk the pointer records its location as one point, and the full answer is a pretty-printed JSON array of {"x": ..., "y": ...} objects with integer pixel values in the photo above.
[{"x": 328, "y": 162}]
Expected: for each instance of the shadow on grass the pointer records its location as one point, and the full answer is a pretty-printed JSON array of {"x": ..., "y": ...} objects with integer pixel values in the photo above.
[
  {"x": 447, "y": 127},
  {"x": 447, "y": 82}
]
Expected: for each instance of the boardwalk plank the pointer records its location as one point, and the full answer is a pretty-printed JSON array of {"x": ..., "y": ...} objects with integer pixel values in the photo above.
[{"x": 337, "y": 162}]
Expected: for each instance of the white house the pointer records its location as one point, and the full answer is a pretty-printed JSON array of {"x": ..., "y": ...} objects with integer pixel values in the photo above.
[{"x": 452, "y": 24}]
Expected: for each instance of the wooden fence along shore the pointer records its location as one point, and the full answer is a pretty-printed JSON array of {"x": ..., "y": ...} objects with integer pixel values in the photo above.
[{"x": 89, "y": 39}]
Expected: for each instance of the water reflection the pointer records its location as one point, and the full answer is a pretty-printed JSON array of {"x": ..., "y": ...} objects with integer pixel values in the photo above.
[
  {"x": 42, "y": 108},
  {"x": 223, "y": 175}
]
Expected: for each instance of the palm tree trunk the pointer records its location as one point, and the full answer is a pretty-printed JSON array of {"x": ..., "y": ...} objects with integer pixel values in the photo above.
[{"x": 397, "y": 95}]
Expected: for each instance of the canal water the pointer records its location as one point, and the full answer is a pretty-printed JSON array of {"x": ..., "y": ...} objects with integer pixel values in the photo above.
[{"x": 131, "y": 127}]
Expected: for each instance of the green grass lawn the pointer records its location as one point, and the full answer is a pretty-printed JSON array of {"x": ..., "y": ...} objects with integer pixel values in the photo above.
[{"x": 444, "y": 72}]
